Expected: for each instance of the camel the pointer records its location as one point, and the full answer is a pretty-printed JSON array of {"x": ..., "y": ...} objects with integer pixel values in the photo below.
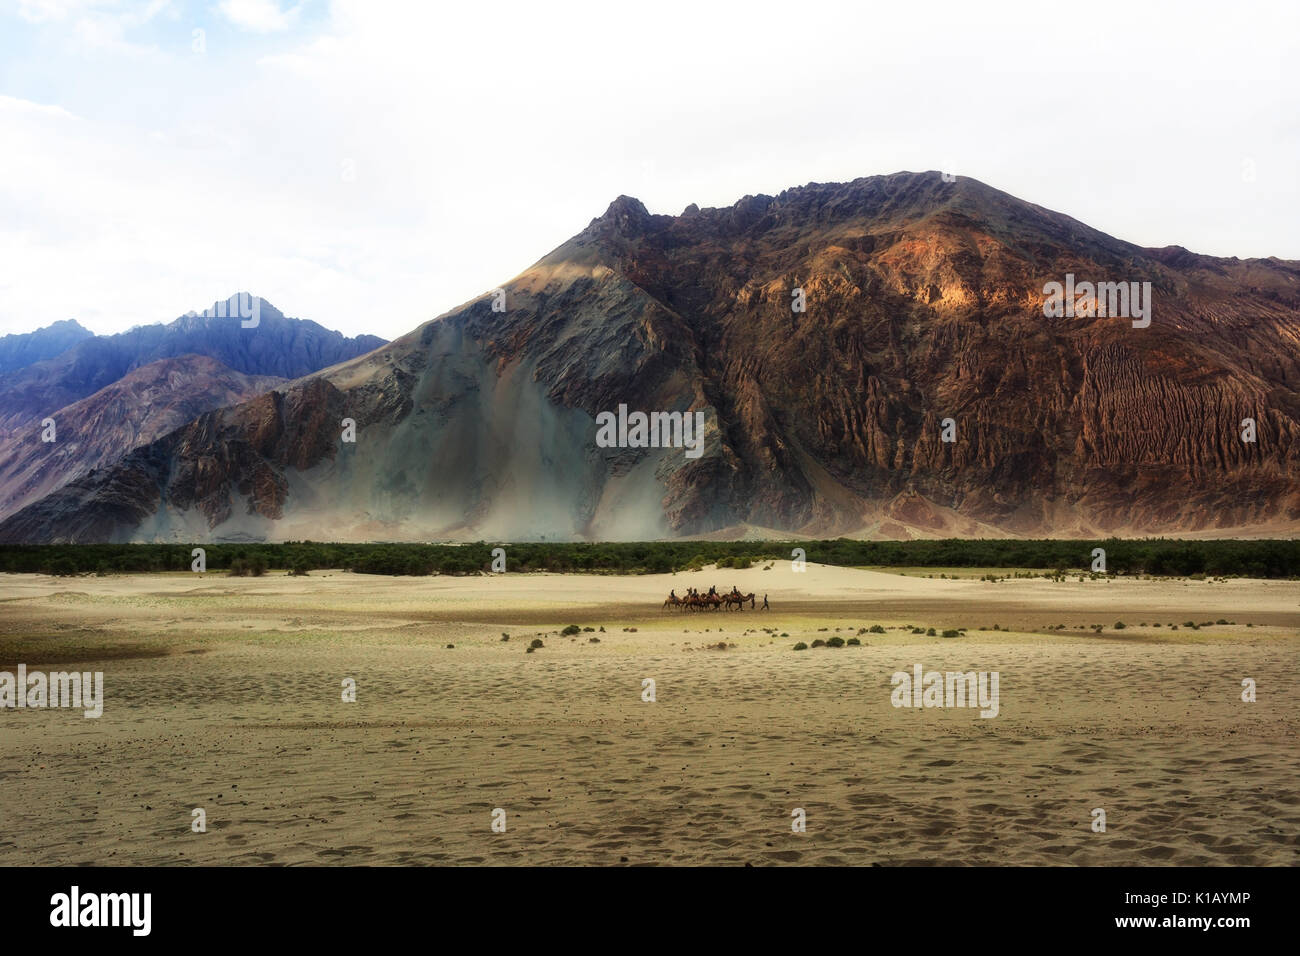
[
  {"x": 738, "y": 599},
  {"x": 693, "y": 600},
  {"x": 703, "y": 602}
]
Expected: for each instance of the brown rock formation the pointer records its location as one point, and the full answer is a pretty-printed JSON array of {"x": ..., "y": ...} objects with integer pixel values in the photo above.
[{"x": 924, "y": 302}]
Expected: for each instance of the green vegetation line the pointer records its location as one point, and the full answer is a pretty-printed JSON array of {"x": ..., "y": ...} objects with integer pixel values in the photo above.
[{"x": 1155, "y": 556}]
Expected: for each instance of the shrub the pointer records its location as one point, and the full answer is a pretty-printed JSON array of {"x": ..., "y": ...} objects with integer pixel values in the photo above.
[
  {"x": 875, "y": 629},
  {"x": 951, "y": 633},
  {"x": 801, "y": 646},
  {"x": 1186, "y": 560},
  {"x": 852, "y": 641},
  {"x": 929, "y": 632},
  {"x": 62, "y": 567},
  {"x": 836, "y": 641},
  {"x": 571, "y": 629},
  {"x": 535, "y": 643},
  {"x": 819, "y": 643},
  {"x": 1119, "y": 625}
]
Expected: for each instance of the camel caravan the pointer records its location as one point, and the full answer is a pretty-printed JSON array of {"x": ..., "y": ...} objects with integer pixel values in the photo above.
[{"x": 693, "y": 600}]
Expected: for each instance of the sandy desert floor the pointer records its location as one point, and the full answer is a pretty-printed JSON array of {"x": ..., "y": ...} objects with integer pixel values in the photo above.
[{"x": 225, "y": 694}]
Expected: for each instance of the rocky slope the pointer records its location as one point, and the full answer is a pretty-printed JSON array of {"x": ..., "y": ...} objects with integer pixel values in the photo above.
[
  {"x": 924, "y": 302},
  {"x": 97, "y": 431}
]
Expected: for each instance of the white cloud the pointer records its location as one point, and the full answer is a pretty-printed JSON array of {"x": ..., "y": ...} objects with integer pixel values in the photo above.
[
  {"x": 41, "y": 11},
  {"x": 12, "y": 105},
  {"x": 480, "y": 137},
  {"x": 94, "y": 25},
  {"x": 259, "y": 16}
]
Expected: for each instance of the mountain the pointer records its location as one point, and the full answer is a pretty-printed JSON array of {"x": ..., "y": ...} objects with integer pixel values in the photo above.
[
  {"x": 110, "y": 394},
  {"x": 19, "y": 351},
  {"x": 278, "y": 346},
  {"x": 136, "y": 409},
  {"x": 924, "y": 302}
]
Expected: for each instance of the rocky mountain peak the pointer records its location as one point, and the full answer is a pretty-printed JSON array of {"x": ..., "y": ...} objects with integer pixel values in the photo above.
[{"x": 626, "y": 216}]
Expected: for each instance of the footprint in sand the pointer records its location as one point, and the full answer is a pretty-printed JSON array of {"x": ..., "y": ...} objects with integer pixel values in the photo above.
[{"x": 785, "y": 856}]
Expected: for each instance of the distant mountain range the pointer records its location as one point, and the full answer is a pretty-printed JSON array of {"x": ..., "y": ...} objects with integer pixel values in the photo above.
[
  {"x": 923, "y": 320},
  {"x": 279, "y": 346},
  {"x": 19, "y": 351},
  {"x": 109, "y": 394}
]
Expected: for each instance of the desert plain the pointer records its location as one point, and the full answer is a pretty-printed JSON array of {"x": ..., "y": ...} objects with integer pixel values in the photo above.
[{"x": 225, "y": 695}]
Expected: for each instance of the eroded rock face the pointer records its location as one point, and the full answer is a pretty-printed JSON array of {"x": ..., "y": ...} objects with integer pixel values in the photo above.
[{"x": 924, "y": 302}]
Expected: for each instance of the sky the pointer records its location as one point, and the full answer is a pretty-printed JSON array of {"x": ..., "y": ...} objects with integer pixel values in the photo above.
[{"x": 372, "y": 164}]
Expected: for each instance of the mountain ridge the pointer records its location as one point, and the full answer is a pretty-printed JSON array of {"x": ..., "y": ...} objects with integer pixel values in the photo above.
[
  {"x": 22, "y": 349},
  {"x": 280, "y": 346},
  {"x": 924, "y": 303}
]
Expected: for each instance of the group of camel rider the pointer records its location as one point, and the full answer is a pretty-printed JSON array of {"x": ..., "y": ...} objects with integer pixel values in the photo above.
[{"x": 711, "y": 594}]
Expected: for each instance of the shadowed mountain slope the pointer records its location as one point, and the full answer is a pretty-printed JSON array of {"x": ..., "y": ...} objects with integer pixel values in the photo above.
[{"x": 19, "y": 351}]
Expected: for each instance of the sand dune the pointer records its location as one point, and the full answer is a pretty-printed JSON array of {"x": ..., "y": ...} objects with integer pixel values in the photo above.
[{"x": 224, "y": 694}]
